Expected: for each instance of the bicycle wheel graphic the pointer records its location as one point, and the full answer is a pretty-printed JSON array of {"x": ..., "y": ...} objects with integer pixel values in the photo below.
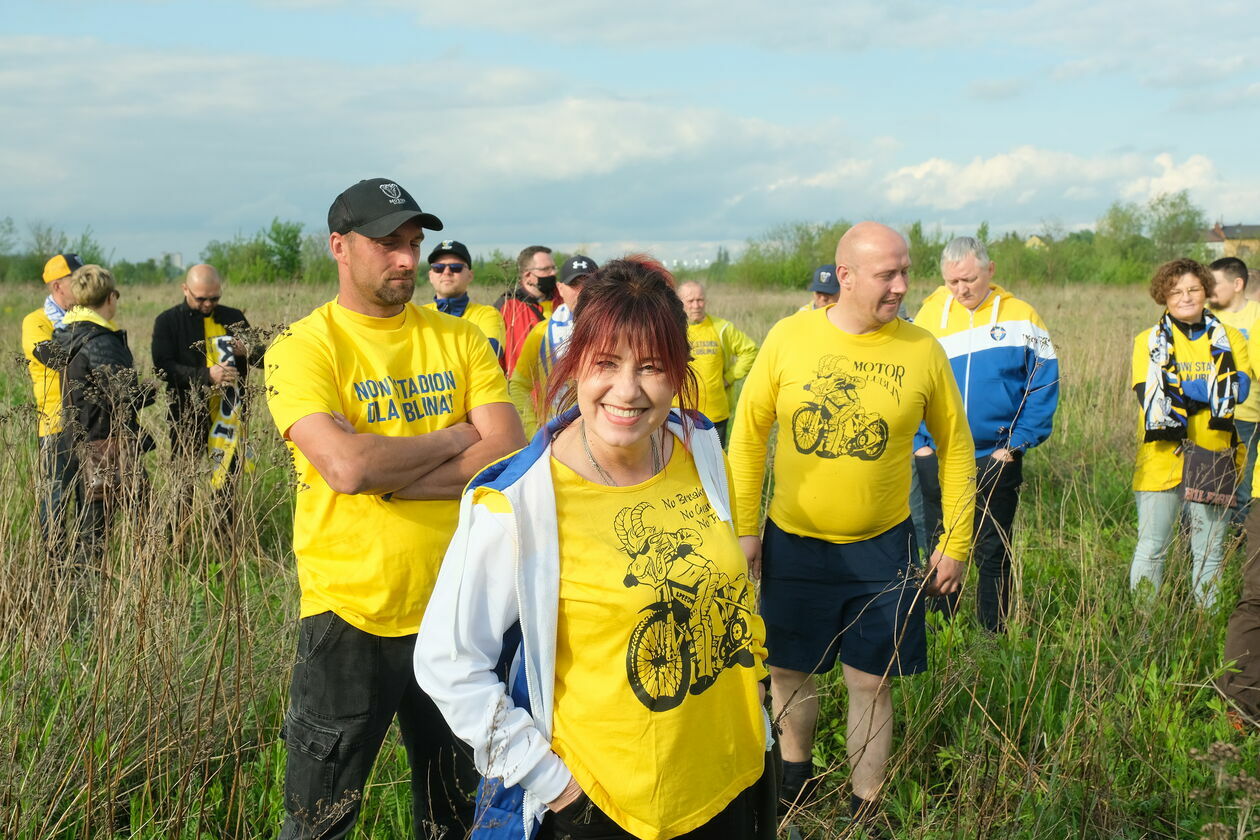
[
  {"x": 658, "y": 662},
  {"x": 871, "y": 440},
  {"x": 807, "y": 428}
]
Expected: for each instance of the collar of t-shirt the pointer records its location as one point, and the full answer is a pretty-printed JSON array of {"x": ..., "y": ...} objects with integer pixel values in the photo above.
[
  {"x": 1190, "y": 331},
  {"x": 452, "y": 306}
]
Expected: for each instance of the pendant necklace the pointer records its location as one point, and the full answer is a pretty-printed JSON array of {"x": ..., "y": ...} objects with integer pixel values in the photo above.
[{"x": 608, "y": 479}]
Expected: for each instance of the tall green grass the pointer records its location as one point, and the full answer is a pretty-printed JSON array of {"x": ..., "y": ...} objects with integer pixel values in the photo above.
[{"x": 144, "y": 699}]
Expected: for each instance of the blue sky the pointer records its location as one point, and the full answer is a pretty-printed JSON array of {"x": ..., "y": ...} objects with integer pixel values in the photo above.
[{"x": 672, "y": 127}]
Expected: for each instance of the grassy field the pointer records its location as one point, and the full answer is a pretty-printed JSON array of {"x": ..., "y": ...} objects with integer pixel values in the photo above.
[{"x": 146, "y": 701}]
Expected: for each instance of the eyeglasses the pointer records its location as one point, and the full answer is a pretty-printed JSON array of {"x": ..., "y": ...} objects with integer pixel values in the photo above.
[
  {"x": 442, "y": 268},
  {"x": 211, "y": 299},
  {"x": 1175, "y": 294}
]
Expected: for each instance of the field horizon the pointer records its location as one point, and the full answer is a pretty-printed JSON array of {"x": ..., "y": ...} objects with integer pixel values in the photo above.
[{"x": 144, "y": 700}]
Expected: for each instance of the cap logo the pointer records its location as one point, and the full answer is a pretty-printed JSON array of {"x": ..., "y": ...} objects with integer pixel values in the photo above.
[
  {"x": 824, "y": 276},
  {"x": 446, "y": 243},
  {"x": 393, "y": 192},
  {"x": 580, "y": 264}
]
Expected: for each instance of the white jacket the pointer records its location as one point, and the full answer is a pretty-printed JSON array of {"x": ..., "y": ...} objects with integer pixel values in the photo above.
[{"x": 502, "y": 568}]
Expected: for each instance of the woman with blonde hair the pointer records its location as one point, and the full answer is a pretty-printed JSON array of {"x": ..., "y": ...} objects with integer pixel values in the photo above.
[{"x": 101, "y": 401}]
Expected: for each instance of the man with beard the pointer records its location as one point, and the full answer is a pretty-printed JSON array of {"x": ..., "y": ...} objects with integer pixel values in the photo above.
[
  {"x": 529, "y": 301},
  {"x": 388, "y": 409}
]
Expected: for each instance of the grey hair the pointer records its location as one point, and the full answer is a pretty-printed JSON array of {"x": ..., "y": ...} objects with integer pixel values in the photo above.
[{"x": 961, "y": 247}]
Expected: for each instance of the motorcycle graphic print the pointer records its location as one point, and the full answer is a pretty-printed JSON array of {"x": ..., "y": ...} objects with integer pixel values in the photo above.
[
  {"x": 699, "y": 623},
  {"x": 832, "y": 423}
]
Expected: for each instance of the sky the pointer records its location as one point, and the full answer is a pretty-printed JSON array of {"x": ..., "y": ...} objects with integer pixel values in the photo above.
[{"x": 672, "y": 127}]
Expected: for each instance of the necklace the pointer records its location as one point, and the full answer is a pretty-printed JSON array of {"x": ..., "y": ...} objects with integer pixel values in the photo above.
[{"x": 653, "y": 445}]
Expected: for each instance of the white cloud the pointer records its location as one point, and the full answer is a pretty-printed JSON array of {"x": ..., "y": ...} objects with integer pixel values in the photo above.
[
  {"x": 946, "y": 185},
  {"x": 1197, "y": 174}
]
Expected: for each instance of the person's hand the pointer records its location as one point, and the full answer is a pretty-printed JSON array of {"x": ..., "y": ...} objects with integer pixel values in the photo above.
[
  {"x": 923, "y": 452},
  {"x": 466, "y": 433},
  {"x": 944, "y": 574},
  {"x": 567, "y": 796},
  {"x": 1003, "y": 455},
  {"x": 223, "y": 375},
  {"x": 752, "y": 553},
  {"x": 343, "y": 423},
  {"x": 238, "y": 347}
]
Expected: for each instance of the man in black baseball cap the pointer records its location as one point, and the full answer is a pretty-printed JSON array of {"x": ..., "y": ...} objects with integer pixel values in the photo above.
[
  {"x": 376, "y": 207},
  {"x": 388, "y": 409},
  {"x": 450, "y": 275}
]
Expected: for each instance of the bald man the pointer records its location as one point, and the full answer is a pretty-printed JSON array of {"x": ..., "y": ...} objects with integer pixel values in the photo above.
[
  {"x": 848, "y": 385},
  {"x": 721, "y": 356},
  {"x": 198, "y": 351}
]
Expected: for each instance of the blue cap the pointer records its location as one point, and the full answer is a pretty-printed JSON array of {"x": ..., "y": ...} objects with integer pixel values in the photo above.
[{"x": 825, "y": 280}]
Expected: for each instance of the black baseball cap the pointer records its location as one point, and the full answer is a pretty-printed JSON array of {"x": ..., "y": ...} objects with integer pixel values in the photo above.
[
  {"x": 450, "y": 246},
  {"x": 376, "y": 207},
  {"x": 577, "y": 266}
]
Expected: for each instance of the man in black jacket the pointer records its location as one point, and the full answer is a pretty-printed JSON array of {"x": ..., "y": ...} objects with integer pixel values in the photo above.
[{"x": 198, "y": 352}]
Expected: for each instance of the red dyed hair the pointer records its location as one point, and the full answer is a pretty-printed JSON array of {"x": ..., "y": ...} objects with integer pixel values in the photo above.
[{"x": 632, "y": 298}]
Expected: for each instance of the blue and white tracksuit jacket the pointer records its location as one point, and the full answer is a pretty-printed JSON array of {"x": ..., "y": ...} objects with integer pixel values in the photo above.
[
  {"x": 487, "y": 645},
  {"x": 1005, "y": 366}
]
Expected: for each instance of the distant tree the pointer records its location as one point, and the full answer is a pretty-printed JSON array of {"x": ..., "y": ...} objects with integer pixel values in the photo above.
[
  {"x": 284, "y": 249},
  {"x": 1175, "y": 225},
  {"x": 45, "y": 240},
  {"x": 8, "y": 236},
  {"x": 982, "y": 232}
]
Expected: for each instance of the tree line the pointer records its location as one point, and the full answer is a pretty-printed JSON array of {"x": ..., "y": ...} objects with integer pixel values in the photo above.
[{"x": 1124, "y": 246}]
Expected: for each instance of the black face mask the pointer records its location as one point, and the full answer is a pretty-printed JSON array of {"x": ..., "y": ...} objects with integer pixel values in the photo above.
[{"x": 546, "y": 285}]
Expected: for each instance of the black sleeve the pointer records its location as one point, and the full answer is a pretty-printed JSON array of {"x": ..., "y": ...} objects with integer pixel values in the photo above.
[
  {"x": 1140, "y": 390},
  {"x": 166, "y": 351},
  {"x": 113, "y": 394},
  {"x": 51, "y": 355}
]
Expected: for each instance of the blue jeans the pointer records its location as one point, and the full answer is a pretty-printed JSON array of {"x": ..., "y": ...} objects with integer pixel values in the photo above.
[
  {"x": 58, "y": 474},
  {"x": 1247, "y": 434},
  {"x": 1158, "y": 515}
]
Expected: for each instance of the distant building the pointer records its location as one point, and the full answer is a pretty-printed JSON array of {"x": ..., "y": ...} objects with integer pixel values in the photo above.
[
  {"x": 175, "y": 259},
  {"x": 1037, "y": 242},
  {"x": 1242, "y": 241}
]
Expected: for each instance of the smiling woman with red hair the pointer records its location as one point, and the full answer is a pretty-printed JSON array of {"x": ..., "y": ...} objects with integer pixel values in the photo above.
[{"x": 593, "y": 633}]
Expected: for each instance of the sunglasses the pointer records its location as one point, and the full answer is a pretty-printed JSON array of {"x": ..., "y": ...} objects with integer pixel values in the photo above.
[
  {"x": 211, "y": 299},
  {"x": 442, "y": 268}
]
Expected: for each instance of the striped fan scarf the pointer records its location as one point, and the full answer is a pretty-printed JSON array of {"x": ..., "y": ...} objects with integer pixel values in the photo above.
[{"x": 1164, "y": 404}]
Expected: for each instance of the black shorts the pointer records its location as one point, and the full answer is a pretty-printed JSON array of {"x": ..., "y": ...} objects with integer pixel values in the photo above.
[{"x": 859, "y": 601}]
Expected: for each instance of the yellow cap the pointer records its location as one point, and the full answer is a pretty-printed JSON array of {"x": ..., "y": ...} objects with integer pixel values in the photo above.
[{"x": 62, "y": 265}]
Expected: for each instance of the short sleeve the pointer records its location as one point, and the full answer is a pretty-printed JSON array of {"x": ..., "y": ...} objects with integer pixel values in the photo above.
[
  {"x": 486, "y": 384},
  {"x": 300, "y": 379}
]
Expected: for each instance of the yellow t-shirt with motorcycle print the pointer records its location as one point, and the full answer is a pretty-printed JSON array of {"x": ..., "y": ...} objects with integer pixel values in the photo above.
[
  {"x": 658, "y": 651},
  {"x": 848, "y": 407}
]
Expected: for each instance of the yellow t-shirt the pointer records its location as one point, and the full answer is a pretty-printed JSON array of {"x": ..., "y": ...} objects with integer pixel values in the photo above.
[
  {"x": 848, "y": 407},
  {"x": 660, "y": 737},
  {"x": 37, "y": 328},
  {"x": 720, "y": 355},
  {"x": 487, "y": 319},
  {"x": 373, "y": 561},
  {"x": 1243, "y": 321},
  {"x": 1159, "y": 462},
  {"x": 528, "y": 383}
]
